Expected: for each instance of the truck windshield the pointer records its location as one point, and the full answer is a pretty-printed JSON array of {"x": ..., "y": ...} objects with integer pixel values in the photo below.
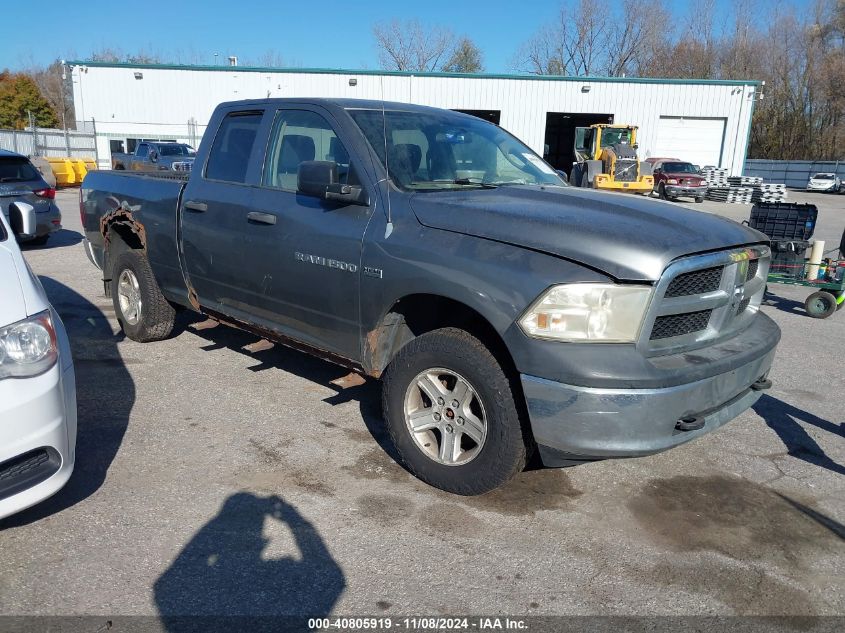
[
  {"x": 431, "y": 151},
  {"x": 680, "y": 168},
  {"x": 175, "y": 150}
]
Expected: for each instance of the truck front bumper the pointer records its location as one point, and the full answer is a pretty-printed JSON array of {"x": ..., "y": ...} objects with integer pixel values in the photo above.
[
  {"x": 680, "y": 190},
  {"x": 573, "y": 423}
]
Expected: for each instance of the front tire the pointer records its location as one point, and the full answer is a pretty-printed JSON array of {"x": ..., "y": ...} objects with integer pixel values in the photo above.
[
  {"x": 699, "y": 199},
  {"x": 661, "y": 192},
  {"x": 143, "y": 312},
  {"x": 451, "y": 413}
]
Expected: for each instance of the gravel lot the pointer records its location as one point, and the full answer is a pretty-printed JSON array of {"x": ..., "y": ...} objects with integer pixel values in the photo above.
[{"x": 214, "y": 481}]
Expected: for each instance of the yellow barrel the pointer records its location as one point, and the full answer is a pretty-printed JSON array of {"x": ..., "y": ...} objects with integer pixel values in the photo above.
[{"x": 65, "y": 174}]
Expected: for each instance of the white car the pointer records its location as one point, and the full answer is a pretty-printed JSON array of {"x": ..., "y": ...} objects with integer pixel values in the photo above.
[
  {"x": 37, "y": 382},
  {"x": 824, "y": 182}
]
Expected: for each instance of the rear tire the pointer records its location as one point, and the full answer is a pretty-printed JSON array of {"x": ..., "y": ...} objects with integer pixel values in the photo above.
[
  {"x": 467, "y": 448},
  {"x": 585, "y": 181},
  {"x": 143, "y": 312},
  {"x": 820, "y": 305}
]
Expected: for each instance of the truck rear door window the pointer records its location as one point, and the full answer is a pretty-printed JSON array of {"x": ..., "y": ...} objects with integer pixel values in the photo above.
[{"x": 228, "y": 159}]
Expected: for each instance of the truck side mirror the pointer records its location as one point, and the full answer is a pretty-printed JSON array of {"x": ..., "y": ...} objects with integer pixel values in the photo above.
[
  {"x": 318, "y": 178},
  {"x": 22, "y": 219}
]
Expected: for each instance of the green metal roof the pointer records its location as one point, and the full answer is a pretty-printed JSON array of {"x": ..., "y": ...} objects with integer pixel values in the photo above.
[{"x": 405, "y": 73}]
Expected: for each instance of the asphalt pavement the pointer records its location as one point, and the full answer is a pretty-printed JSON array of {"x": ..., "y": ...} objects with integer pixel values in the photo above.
[{"x": 214, "y": 481}]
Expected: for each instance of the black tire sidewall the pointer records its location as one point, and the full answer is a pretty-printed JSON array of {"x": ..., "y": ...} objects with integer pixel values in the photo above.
[
  {"x": 503, "y": 453},
  {"x": 155, "y": 311},
  {"x": 829, "y": 300}
]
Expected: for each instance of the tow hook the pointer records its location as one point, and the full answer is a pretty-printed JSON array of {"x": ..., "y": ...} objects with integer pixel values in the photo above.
[
  {"x": 690, "y": 424},
  {"x": 762, "y": 384}
]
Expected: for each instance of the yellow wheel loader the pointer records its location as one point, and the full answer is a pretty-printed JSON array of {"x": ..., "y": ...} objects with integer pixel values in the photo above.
[{"x": 607, "y": 159}]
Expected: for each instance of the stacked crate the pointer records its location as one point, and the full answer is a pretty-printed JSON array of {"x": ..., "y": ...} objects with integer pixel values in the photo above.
[
  {"x": 761, "y": 192},
  {"x": 729, "y": 194},
  {"x": 715, "y": 176}
]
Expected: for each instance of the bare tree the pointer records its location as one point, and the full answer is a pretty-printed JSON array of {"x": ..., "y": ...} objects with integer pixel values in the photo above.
[
  {"x": 581, "y": 42},
  {"x": 634, "y": 40},
  {"x": 55, "y": 84},
  {"x": 413, "y": 46}
]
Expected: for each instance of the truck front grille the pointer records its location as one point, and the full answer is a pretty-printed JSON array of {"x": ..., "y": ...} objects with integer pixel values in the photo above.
[
  {"x": 703, "y": 299},
  {"x": 696, "y": 282},
  {"x": 680, "y": 324}
]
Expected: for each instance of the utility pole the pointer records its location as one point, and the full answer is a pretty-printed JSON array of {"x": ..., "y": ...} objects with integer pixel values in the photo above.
[
  {"x": 64, "y": 121},
  {"x": 35, "y": 151}
]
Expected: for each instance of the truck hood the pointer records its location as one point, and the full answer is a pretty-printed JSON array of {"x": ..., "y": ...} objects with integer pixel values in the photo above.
[{"x": 625, "y": 236}]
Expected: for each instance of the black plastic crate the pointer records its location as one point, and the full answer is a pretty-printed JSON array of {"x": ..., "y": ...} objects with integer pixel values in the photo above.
[
  {"x": 784, "y": 220},
  {"x": 788, "y": 263},
  {"x": 789, "y": 246}
]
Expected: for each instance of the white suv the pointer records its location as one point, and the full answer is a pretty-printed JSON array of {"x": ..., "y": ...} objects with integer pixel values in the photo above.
[{"x": 37, "y": 382}]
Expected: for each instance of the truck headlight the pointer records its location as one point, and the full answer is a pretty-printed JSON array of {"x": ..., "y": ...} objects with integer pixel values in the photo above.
[
  {"x": 671, "y": 181},
  {"x": 605, "y": 313},
  {"x": 28, "y": 347}
]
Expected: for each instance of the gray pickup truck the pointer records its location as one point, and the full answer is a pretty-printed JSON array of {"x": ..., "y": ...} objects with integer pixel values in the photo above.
[
  {"x": 507, "y": 314},
  {"x": 156, "y": 156}
]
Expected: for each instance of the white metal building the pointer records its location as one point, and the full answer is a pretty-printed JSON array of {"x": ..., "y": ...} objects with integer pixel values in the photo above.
[{"x": 704, "y": 122}]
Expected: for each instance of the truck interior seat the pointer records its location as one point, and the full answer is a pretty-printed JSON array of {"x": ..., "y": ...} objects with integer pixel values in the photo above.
[
  {"x": 440, "y": 162},
  {"x": 295, "y": 149},
  {"x": 404, "y": 162}
]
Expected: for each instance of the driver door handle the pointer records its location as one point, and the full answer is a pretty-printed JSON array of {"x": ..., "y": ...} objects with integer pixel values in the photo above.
[
  {"x": 261, "y": 218},
  {"x": 199, "y": 207}
]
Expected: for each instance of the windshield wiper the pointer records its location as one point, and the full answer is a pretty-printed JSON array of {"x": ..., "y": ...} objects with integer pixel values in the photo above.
[{"x": 477, "y": 183}]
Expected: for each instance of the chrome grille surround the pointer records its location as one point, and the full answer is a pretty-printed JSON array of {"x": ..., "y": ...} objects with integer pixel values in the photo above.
[{"x": 733, "y": 304}]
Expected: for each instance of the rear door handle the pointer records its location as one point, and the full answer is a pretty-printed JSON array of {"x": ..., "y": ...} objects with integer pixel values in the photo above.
[
  {"x": 261, "y": 218},
  {"x": 199, "y": 207}
]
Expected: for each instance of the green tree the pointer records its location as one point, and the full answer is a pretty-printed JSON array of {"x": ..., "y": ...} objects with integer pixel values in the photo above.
[
  {"x": 19, "y": 96},
  {"x": 465, "y": 59}
]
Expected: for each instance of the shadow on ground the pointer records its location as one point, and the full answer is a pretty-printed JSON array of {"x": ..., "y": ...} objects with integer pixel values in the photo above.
[
  {"x": 785, "y": 420},
  {"x": 233, "y": 576},
  {"x": 319, "y": 371},
  {"x": 62, "y": 237},
  {"x": 783, "y": 304},
  {"x": 105, "y": 395}
]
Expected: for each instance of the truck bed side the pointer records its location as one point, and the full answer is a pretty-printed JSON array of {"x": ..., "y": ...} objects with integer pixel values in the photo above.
[{"x": 139, "y": 210}]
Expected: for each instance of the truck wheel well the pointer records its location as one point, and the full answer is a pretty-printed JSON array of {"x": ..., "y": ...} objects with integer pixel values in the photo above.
[
  {"x": 417, "y": 314},
  {"x": 120, "y": 237}
]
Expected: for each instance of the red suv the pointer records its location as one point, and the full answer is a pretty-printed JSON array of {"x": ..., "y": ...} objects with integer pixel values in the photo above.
[{"x": 675, "y": 178}]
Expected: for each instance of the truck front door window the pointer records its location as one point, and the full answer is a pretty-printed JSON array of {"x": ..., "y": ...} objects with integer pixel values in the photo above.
[
  {"x": 228, "y": 159},
  {"x": 429, "y": 151},
  {"x": 298, "y": 136}
]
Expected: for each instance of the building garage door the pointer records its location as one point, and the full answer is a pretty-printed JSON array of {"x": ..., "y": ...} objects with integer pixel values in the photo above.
[{"x": 696, "y": 140}]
